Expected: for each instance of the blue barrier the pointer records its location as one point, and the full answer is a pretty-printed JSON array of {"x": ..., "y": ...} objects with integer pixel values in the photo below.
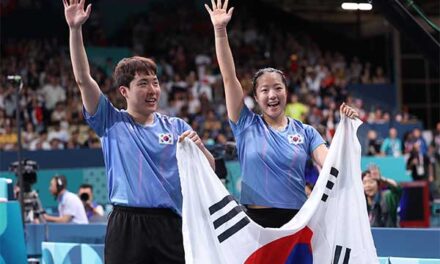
[
  {"x": 72, "y": 233},
  {"x": 72, "y": 253},
  {"x": 402, "y": 242},
  {"x": 3, "y": 189},
  {"x": 393, "y": 260},
  {"x": 54, "y": 252},
  {"x": 12, "y": 246},
  {"x": 407, "y": 242}
]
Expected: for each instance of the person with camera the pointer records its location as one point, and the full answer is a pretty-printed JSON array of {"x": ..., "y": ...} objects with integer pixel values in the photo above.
[
  {"x": 94, "y": 211},
  {"x": 70, "y": 207}
]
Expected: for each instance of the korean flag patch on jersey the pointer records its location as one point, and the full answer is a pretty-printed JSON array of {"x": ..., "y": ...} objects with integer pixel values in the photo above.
[
  {"x": 295, "y": 139},
  {"x": 166, "y": 139}
]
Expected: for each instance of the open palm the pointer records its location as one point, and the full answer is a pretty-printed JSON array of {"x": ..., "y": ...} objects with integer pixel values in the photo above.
[
  {"x": 75, "y": 13},
  {"x": 220, "y": 15}
]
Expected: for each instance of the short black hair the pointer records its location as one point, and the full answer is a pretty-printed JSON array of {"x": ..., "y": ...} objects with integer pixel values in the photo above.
[
  {"x": 85, "y": 186},
  {"x": 365, "y": 172}
]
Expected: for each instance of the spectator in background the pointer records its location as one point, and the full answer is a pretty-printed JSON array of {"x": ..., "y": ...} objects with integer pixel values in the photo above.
[
  {"x": 53, "y": 92},
  {"x": 391, "y": 146},
  {"x": 29, "y": 134},
  {"x": 296, "y": 109},
  {"x": 381, "y": 205},
  {"x": 41, "y": 142},
  {"x": 59, "y": 113},
  {"x": 417, "y": 133},
  {"x": 418, "y": 163},
  {"x": 59, "y": 132},
  {"x": 70, "y": 207},
  {"x": 74, "y": 140},
  {"x": 373, "y": 148},
  {"x": 8, "y": 139},
  {"x": 379, "y": 77},
  {"x": 94, "y": 211}
]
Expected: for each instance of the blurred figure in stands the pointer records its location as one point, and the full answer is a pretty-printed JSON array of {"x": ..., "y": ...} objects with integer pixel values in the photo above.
[
  {"x": 391, "y": 146},
  {"x": 418, "y": 163},
  {"x": 381, "y": 205},
  {"x": 373, "y": 143}
]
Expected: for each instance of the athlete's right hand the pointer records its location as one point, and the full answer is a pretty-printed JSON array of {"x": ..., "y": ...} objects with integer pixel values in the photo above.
[
  {"x": 220, "y": 16},
  {"x": 75, "y": 14}
]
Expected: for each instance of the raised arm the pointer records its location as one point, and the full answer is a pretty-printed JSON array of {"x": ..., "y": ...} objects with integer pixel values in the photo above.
[
  {"x": 220, "y": 18},
  {"x": 76, "y": 16}
]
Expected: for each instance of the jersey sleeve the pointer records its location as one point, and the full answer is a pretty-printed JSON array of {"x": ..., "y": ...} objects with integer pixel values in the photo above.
[
  {"x": 314, "y": 139},
  {"x": 246, "y": 118},
  {"x": 104, "y": 117}
]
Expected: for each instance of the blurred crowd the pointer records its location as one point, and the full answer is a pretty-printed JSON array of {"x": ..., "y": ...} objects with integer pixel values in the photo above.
[{"x": 51, "y": 107}]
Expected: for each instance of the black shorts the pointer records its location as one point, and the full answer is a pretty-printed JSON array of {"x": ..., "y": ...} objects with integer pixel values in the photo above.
[
  {"x": 271, "y": 217},
  {"x": 143, "y": 235}
]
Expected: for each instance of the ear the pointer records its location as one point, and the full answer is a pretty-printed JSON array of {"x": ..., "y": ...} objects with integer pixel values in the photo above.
[{"x": 123, "y": 90}]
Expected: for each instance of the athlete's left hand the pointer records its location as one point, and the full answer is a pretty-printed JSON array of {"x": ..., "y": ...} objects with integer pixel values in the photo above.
[
  {"x": 191, "y": 134},
  {"x": 348, "y": 111}
]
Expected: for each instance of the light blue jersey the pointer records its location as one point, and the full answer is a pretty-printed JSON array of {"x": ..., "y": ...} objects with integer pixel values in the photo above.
[
  {"x": 273, "y": 162},
  {"x": 140, "y": 160}
]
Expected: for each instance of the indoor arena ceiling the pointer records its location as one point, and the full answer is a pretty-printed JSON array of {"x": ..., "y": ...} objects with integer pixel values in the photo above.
[{"x": 330, "y": 10}]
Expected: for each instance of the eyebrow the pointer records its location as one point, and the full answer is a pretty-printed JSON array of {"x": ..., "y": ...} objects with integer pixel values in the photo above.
[{"x": 154, "y": 79}]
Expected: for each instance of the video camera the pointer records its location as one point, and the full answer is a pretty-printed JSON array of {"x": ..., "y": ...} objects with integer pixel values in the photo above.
[
  {"x": 33, "y": 209},
  {"x": 29, "y": 170}
]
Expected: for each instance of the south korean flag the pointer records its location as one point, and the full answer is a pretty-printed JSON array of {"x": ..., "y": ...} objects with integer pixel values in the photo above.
[
  {"x": 295, "y": 139},
  {"x": 331, "y": 227},
  {"x": 166, "y": 139}
]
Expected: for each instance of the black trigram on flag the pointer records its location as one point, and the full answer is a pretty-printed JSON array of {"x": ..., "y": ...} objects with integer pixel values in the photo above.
[
  {"x": 229, "y": 217},
  {"x": 338, "y": 254},
  {"x": 330, "y": 183}
]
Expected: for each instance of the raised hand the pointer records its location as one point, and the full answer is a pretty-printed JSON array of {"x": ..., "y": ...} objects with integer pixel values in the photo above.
[
  {"x": 220, "y": 16},
  {"x": 348, "y": 111},
  {"x": 75, "y": 14}
]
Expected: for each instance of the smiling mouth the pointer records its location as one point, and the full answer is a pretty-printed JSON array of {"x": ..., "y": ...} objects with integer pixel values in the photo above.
[
  {"x": 273, "y": 105},
  {"x": 151, "y": 100}
]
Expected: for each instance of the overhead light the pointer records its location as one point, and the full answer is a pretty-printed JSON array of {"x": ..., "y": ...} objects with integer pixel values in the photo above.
[
  {"x": 365, "y": 6},
  {"x": 356, "y": 6},
  {"x": 350, "y": 6}
]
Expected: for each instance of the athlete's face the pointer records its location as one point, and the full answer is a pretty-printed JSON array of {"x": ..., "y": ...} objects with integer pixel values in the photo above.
[
  {"x": 271, "y": 94},
  {"x": 143, "y": 95}
]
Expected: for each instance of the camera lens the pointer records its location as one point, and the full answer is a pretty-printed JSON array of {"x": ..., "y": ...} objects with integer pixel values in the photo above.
[{"x": 84, "y": 197}]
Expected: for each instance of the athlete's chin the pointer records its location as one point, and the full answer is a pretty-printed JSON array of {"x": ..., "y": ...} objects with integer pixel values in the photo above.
[
  {"x": 152, "y": 108},
  {"x": 273, "y": 114}
]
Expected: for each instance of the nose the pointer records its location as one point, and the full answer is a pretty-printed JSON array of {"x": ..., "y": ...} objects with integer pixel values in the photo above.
[{"x": 272, "y": 94}]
